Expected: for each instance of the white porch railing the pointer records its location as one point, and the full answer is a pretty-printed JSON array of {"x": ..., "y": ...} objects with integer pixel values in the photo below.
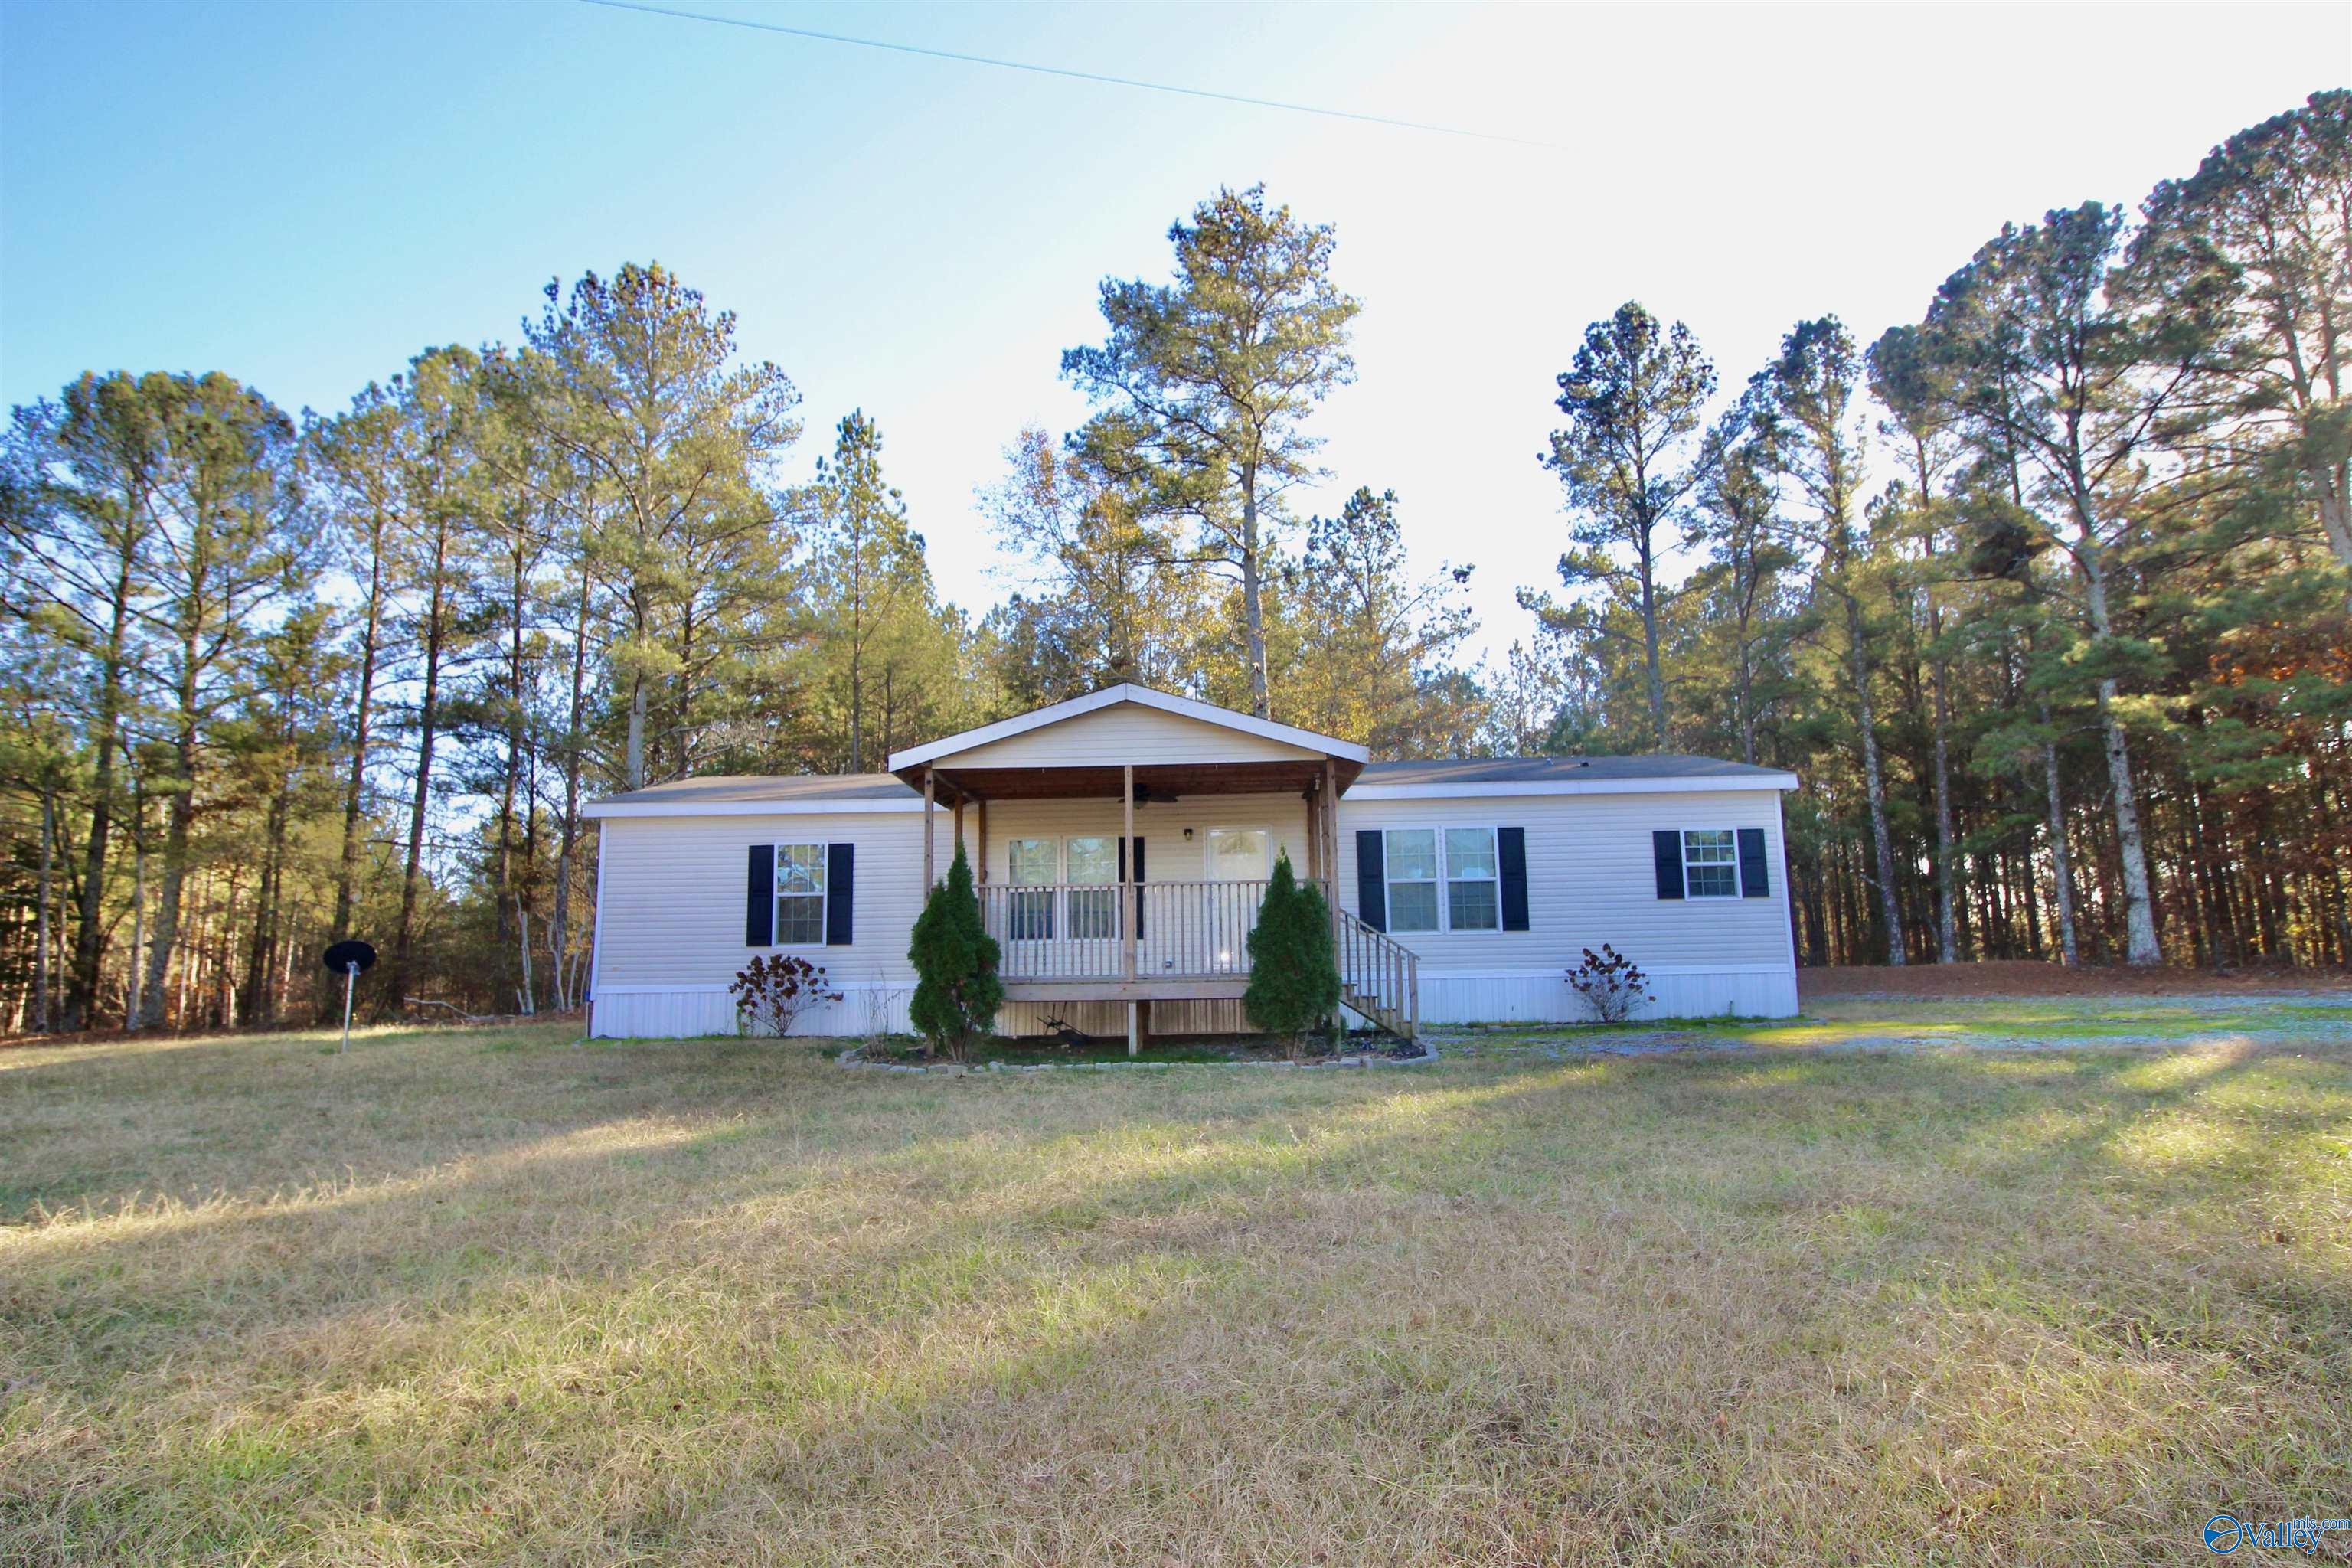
[
  {"x": 1070, "y": 932},
  {"x": 1191, "y": 931}
]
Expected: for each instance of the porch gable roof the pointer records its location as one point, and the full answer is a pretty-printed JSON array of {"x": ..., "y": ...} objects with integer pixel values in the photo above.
[{"x": 915, "y": 760}]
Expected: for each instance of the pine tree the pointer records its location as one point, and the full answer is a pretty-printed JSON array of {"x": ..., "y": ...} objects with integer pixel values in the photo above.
[
  {"x": 1206, "y": 385},
  {"x": 1293, "y": 976},
  {"x": 1373, "y": 638},
  {"x": 957, "y": 993},
  {"x": 1630, "y": 464},
  {"x": 877, "y": 641}
]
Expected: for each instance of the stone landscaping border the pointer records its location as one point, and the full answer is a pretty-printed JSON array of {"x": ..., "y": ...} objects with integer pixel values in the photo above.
[{"x": 856, "y": 1058}]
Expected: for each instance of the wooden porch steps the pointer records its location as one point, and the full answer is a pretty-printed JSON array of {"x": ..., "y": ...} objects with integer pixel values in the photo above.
[{"x": 1379, "y": 977}]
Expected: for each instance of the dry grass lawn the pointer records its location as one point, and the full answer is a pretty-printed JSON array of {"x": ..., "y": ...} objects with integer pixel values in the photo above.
[{"x": 495, "y": 1297}]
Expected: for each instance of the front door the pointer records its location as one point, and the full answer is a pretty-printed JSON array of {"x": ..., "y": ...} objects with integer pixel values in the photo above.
[{"x": 1239, "y": 859}]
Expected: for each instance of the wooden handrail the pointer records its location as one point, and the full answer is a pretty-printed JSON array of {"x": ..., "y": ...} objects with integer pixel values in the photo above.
[{"x": 1379, "y": 977}]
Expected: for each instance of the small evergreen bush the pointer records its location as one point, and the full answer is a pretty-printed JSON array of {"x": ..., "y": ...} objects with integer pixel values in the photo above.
[
  {"x": 1612, "y": 984},
  {"x": 1294, "y": 984},
  {"x": 772, "y": 993},
  {"x": 957, "y": 992}
]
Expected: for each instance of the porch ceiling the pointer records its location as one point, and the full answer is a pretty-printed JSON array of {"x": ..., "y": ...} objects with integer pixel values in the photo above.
[{"x": 1160, "y": 780}]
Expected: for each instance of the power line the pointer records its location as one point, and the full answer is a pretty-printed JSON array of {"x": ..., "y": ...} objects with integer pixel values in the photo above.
[{"x": 1073, "y": 75}]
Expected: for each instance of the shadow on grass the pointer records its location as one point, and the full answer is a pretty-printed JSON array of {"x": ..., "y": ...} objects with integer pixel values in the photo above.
[{"x": 592, "y": 1236}]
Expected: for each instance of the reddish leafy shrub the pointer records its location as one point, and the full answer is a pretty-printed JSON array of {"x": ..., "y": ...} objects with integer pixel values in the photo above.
[
  {"x": 1612, "y": 984},
  {"x": 772, "y": 993}
]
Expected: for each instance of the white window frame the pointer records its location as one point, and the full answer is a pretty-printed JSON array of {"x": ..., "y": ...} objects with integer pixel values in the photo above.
[
  {"x": 1737, "y": 889},
  {"x": 1445, "y": 879},
  {"x": 824, "y": 894},
  {"x": 1435, "y": 880}
]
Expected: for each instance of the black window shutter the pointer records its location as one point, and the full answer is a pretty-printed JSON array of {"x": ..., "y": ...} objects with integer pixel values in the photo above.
[
  {"x": 1511, "y": 859},
  {"x": 1667, "y": 849},
  {"x": 1754, "y": 881},
  {"x": 760, "y": 898},
  {"x": 1139, "y": 879},
  {"x": 840, "y": 894},
  {"x": 1372, "y": 878}
]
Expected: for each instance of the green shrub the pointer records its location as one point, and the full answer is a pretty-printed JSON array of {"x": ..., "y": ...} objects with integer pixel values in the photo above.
[
  {"x": 957, "y": 993},
  {"x": 1293, "y": 976}
]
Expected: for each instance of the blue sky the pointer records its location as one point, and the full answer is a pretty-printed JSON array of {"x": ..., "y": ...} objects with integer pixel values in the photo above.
[{"x": 304, "y": 195}]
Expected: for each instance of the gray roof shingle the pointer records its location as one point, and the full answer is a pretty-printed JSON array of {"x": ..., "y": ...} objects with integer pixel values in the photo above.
[
  {"x": 726, "y": 788},
  {"x": 730, "y": 789},
  {"x": 1556, "y": 770}
]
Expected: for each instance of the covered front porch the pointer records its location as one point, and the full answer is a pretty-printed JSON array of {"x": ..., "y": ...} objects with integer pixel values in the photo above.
[{"x": 1139, "y": 880}]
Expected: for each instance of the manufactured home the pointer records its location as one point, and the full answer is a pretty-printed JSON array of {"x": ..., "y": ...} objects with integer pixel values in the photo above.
[{"x": 1123, "y": 840}]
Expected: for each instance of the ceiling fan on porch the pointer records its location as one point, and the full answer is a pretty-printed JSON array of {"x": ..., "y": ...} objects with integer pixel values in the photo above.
[{"x": 1148, "y": 794}]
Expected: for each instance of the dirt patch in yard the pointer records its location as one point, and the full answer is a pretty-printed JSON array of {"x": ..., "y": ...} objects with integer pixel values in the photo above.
[{"x": 2022, "y": 977}]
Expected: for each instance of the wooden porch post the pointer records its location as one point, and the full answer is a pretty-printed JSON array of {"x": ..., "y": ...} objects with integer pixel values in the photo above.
[
  {"x": 930, "y": 799},
  {"x": 1330, "y": 878},
  {"x": 1332, "y": 841},
  {"x": 1313, "y": 837},
  {"x": 983, "y": 839},
  {"x": 1127, "y": 902},
  {"x": 1126, "y": 869}
]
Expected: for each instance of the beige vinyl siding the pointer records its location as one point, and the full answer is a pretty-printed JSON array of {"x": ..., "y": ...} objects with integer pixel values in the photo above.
[
  {"x": 1167, "y": 856},
  {"x": 1591, "y": 879},
  {"x": 670, "y": 924},
  {"x": 1125, "y": 732},
  {"x": 674, "y": 889}
]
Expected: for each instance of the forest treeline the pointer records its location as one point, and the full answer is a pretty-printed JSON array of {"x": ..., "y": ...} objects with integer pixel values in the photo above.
[{"x": 2047, "y": 597}]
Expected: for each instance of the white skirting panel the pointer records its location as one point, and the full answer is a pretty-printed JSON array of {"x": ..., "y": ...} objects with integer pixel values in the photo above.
[
  {"x": 650, "y": 1012},
  {"x": 1546, "y": 997},
  {"x": 1507, "y": 997}
]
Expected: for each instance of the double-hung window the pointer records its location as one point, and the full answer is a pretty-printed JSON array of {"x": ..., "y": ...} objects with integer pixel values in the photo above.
[
  {"x": 1033, "y": 864},
  {"x": 1443, "y": 879},
  {"x": 800, "y": 895},
  {"x": 1711, "y": 863},
  {"x": 1094, "y": 879}
]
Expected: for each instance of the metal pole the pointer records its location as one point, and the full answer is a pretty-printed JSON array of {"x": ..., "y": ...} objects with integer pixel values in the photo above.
[{"x": 350, "y": 974}]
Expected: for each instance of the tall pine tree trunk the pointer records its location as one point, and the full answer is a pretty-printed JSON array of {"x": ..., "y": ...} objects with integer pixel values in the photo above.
[
  {"x": 42, "y": 1016},
  {"x": 134, "y": 973},
  {"x": 347, "y": 871},
  {"x": 428, "y": 715},
  {"x": 2139, "y": 906},
  {"x": 2062, "y": 889},
  {"x": 179, "y": 819},
  {"x": 1948, "y": 946},
  {"x": 255, "y": 1004},
  {"x": 1253, "y": 604},
  {"x": 89, "y": 921},
  {"x": 559, "y": 934},
  {"x": 1874, "y": 784},
  {"x": 1654, "y": 676}
]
